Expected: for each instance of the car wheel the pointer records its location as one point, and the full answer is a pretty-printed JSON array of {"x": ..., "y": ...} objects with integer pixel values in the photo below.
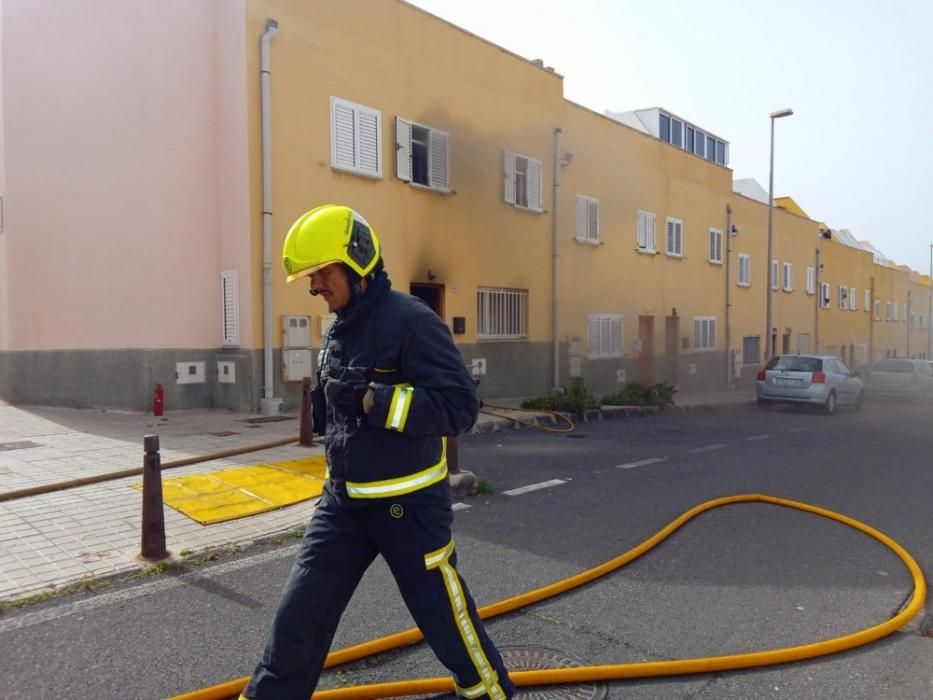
[
  {"x": 829, "y": 408},
  {"x": 859, "y": 401}
]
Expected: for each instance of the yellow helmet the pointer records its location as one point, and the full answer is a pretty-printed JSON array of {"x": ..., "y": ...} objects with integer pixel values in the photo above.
[{"x": 329, "y": 234}]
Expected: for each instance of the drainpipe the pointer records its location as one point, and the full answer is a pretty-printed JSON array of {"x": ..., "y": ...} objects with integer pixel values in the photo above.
[
  {"x": 816, "y": 311},
  {"x": 267, "y": 405},
  {"x": 555, "y": 226},
  {"x": 729, "y": 367}
]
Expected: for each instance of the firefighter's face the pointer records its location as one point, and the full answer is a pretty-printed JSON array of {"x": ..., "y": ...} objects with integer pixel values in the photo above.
[{"x": 332, "y": 283}]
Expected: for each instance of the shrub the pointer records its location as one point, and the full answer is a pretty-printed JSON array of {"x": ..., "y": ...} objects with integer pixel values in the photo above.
[
  {"x": 576, "y": 399},
  {"x": 636, "y": 394}
]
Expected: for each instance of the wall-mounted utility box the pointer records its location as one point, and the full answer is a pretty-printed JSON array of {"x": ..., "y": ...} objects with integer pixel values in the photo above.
[
  {"x": 620, "y": 376},
  {"x": 189, "y": 372},
  {"x": 296, "y": 331},
  {"x": 226, "y": 372},
  {"x": 459, "y": 325}
]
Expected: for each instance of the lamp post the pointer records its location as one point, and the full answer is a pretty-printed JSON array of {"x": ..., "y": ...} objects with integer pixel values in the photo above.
[{"x": 768, "y": 265}]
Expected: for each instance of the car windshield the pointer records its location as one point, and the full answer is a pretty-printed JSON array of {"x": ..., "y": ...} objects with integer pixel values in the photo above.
[
  {"x": 794, "y": 363},
  {"x": 898, "y": 366}
]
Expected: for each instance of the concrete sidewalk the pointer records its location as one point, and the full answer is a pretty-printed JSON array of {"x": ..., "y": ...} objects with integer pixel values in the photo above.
[{"x": 77, "y": 536}]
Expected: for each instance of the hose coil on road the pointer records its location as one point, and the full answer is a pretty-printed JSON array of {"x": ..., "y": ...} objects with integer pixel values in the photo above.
[{"x": 616, "y": 671}]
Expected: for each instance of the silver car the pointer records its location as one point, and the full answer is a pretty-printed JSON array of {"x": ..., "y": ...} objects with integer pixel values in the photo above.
[
  {"x": 818, "y": 380},
  {"x": 901, "y": 378}
]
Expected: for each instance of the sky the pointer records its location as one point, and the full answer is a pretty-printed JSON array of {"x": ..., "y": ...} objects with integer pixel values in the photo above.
[{"x": 856, "y": 154}]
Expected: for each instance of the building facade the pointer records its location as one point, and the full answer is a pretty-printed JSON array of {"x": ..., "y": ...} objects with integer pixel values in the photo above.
[{"x": 143, "y": 212}]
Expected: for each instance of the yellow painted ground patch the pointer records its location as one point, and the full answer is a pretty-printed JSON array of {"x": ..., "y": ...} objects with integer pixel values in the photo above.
[{"x": 236, "y": 493}]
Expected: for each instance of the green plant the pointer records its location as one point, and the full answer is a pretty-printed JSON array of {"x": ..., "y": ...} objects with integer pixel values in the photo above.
[
  {"x": 483, "y": 486},
  {"x": 637, "y": 394},
  {"x": 576, "y": 399}
]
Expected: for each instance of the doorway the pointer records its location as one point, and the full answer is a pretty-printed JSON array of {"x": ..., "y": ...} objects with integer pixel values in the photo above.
[
  {"x": 646, "y": 349},
  {"x": 430, "y": 294},
  {"x": 672, "y": 347}
]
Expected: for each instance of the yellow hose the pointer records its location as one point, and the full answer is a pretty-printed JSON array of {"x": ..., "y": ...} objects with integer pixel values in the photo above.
[
  {"x": 520, "y": 421},
  {"x": 615, "y": 671}
]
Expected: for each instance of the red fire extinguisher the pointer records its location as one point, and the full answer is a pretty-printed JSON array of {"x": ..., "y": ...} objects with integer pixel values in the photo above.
[{"x": 158, "y": 401}]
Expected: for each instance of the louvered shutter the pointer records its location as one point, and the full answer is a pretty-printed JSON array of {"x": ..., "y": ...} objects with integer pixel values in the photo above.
[
  {"x": 370, "y": 141},
  {"x": 509, "y": 177},
  {"x": 582, "y": 217},
  {"x": 593, "y": 219},
  {"x": 439, "y": 166},
  {"x": 535, "y": 181},
  {"x": 643, "y": 230},
  {"x": 230, "y": 304},
  {"x": 651, "y": 229},
  {"x": 403, "y": 149},
  {"x": 712, "y": 245},
  {"x": 670, "y": 236},
  {"x": 697, "y": 333},
  {"x": 594, "y": 335},
  {"x": 343, "y": 142},
  {"x": 679, "y": 237},
  {"x": 616, "y": 335}
]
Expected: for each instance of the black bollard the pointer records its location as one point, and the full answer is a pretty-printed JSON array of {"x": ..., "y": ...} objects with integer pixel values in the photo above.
[
  {"x": 453, "y": 456},
  {"x": 306, "y": 416},
  {"x": 153, "y": 530}
]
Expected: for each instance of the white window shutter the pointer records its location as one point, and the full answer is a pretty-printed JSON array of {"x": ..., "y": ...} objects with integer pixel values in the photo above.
[
  {"x": 593, "y": 219},
  {"x": 439, "y": 164},
  {"x": 853, "y": 299},
  {"x": 594, "y": 324},
  {"x": 679, "y": 237},
  {"x": 535, "y": 182},
  {"x": 230, "y": 304},
  {"x": 403, "y": 149},
  {"x": 652, "y": 231},
  {"x": 582, "y": 217},
  {"x": 509, "y": 177},
  {"x": 643, "y": 230},
  {"x": 343, "y": 141},
  {"x": 615, "y": 346},
  {"x": 370, "y": 141},
  {"x": 670, "y": 236}
]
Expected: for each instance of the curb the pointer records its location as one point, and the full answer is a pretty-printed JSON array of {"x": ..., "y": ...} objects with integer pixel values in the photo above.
[{"x": 497, "y": 425}]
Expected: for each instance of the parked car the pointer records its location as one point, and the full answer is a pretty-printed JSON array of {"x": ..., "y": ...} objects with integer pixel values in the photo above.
[
  {"x": 901, "y": 378},
  {"x": 817, "y": 380}
]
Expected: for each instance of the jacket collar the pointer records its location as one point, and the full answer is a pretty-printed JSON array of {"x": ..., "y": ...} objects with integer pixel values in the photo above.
[{"x": 361, "y": 305}]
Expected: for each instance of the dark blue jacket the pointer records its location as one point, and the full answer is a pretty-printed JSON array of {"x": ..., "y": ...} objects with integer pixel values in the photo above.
[{"x": 423, "y": 392}]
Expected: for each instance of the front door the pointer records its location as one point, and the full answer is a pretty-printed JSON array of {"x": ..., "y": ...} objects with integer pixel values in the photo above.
[
  {"x": 430, "y": 294},
  {"x": 646, "y": 352}
]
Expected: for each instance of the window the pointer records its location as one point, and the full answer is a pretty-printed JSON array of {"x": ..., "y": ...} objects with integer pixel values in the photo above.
[
  {"x": 704, "y": 332},
  {"x": 422, "y": 155},
  {"x": 646, "y": 232},
  {"x": 887, "y": 311},
  {"x": 689, "y": 145},
  {"x": 675, "y": 237},
  {"x": 502, "y": 314},
  {"x": 715, "y": 245},
  {"x": 587, "y": 219},
  {"x": 893, "y": 310},
  {"x": 774, "y": 274},
  {"x": 523, "y": 178},
  {"x": 677, "y": 127},
  {"x": 868, "y": 300},
  {"x": 788, "y": 277},
  {"x": 606, "y": 335},
  {"x": 743, "y": 270},
  {"x": 877, "y": 310},
  {"x": 230, "y": 308},
  {"x": 720, "y": 152},
  {"x": 853, "y": 299},
  {"x": 811, "y": 280},
  {"x": 710, "y": 148},
  {"x": 665, "y": 128},
  {"x": 356, "y": 138},
  {"x": 751, "y": 350},
  {"x": 844, "y": 298},
  {"x": 824, "y": 295},
  {"x": 700, "y": 146},
  {"x": 906, "y": 312}
]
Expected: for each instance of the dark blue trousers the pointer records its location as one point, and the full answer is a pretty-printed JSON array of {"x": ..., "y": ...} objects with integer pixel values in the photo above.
[{"x": 340, "y": 543}]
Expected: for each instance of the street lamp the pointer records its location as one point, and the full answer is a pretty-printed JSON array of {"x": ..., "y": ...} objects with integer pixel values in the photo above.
[{"x": 768, "y": 264}]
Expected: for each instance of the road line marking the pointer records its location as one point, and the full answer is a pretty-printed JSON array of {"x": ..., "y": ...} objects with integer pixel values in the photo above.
[
  {"x": 460, "y": 506},
  {"x": 763, "y": 436},
  {"x": 534, "y": 487},
  {"x": 641, "y": 463},
  {"x": 706, "y": 448}
]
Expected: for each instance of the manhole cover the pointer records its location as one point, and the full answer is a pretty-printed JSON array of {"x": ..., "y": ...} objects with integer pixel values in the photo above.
[
  {"x": 536, "y": 659},
  {"x": 21, "y": 445},
  {"x": 267, "y": 419}
]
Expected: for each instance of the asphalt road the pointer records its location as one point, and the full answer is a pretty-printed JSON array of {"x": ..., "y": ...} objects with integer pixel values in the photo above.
[{"x": 742, "y": 578}]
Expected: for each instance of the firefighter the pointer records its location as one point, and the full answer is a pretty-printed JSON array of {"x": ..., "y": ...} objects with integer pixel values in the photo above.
[{"x": 391, "y": 387}]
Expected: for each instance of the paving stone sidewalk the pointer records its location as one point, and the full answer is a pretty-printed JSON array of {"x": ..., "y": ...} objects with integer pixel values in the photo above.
[{"x": 75, "y": 536}]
